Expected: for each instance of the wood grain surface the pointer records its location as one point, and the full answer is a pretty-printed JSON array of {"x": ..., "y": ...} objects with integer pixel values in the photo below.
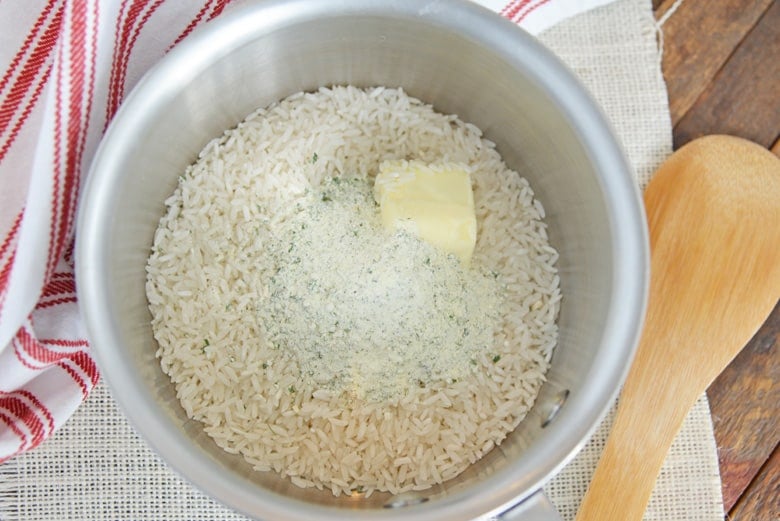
[
  {"x": 764, "y": 502},
  {"x": 721, "y": 64},
  {"x": 742, "y": 98},
  {"x": 745, "y": 404},
  {"x": 693, "y": 62}
]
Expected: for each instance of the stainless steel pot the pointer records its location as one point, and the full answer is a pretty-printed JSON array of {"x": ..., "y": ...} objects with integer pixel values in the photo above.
[{"x": 461, "y": 58}]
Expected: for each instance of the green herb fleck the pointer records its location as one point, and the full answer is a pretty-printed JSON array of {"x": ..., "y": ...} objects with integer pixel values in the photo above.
[
  {"x": 265, "y": 365},
  {"x": 206, "y": 342},
  {"x": 496, "y": 358},
  {"x": 326, "y": 198},
  {"x": 427, "y": 261},
  {"x": 314, "y": 158},
  {"x": 473, "y": 361},
  {"x": 291, "y": 389}
]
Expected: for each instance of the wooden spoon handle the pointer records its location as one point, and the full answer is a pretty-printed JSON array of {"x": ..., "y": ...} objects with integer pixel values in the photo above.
[{"x": 635, "y": 451}]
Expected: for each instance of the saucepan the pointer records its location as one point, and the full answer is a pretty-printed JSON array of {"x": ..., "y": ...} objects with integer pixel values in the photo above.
[{"x": 462, "y": 59}]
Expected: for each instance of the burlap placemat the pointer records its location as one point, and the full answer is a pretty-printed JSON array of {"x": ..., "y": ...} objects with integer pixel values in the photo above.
[
  {"x": 614, "y": 51},
  {"x": 96, "y": 467}
]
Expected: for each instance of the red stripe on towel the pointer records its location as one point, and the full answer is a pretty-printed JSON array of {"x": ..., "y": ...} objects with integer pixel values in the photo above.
[
  {"x": 66, "y": 365},
  {"x": 15, "y": 407},
  {"x": 531, "y": 9},
  {"x": 26, "y": 81},
  {"x": 131, "y": 25},
  {"x": 22, "y": 436}
]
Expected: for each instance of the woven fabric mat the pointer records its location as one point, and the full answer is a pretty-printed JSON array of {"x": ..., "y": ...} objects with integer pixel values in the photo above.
[{"x": 97, "y": 468}]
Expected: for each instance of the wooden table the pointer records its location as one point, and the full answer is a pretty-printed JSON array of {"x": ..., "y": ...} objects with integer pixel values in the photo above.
[{"x": 721, "y": 62}]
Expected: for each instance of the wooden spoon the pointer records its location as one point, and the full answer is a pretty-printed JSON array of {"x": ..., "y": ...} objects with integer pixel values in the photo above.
[{"x": 713, "y": 210}]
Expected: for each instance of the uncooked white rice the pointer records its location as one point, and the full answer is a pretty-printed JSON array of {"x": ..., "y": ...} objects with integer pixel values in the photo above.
[{"x": 207, "y": 270}]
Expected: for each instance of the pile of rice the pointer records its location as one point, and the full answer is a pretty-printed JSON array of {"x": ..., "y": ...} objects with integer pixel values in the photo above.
[{"x": 209, "y": 269}]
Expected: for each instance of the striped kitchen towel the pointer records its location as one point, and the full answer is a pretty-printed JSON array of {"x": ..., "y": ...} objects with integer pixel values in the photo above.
[{"x": 66, "y": 66}]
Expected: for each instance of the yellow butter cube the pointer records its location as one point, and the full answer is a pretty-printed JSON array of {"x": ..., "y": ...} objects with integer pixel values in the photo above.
[{"x": 433, "y": 201}]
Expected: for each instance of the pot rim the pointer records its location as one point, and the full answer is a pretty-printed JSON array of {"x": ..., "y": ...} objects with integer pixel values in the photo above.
[{"x": 564, "y": 438}]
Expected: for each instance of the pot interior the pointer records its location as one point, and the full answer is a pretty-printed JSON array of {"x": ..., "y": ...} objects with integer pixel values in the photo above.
[{"x": 462, "y": 60}]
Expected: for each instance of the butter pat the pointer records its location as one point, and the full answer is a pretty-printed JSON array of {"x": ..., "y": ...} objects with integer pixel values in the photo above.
[{"x": 433, "y": 201}]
